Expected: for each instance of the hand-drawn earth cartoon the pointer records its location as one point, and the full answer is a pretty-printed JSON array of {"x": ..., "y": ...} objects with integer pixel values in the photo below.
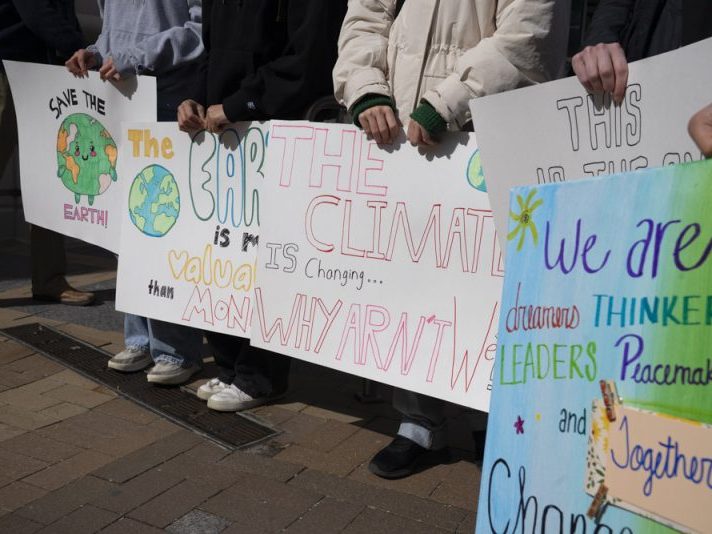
[
  {"x": 475, "y": 175},
  {"x": 154, "y": 201},
  {"x": 86, "y": 156}
]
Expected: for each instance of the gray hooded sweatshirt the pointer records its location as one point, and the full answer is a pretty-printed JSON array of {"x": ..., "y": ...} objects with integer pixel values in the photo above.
[{"x": 156, "y": 37}]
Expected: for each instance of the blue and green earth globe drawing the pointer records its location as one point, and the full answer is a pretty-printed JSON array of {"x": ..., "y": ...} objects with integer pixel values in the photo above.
[
  {"x": 475, "y": 174},
  {"x": 154, "y": 201}
]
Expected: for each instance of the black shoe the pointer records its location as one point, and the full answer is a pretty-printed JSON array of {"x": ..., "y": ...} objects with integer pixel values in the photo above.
[{"x": 404, "y": 457}]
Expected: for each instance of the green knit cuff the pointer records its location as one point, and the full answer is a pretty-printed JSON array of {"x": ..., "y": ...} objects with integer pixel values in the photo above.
[
  {"x": 428, "y": 118},
  {"x": 368, "y": 101}
]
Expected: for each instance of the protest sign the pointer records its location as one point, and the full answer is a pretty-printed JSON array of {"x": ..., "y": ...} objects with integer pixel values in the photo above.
[
  {"x": 379, "y": 262},
  {"x": 556, "y": 132},
  {"x": 191, "y": 215},
  {"x": 607, "y": 280},
  {"x": 70, "y": 169},
  {"x": 643, "y": 458}
]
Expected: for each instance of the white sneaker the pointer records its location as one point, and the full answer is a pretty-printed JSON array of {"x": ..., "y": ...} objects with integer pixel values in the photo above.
[
  {"x": 171, "y": 372},
  {"x": 210, "y": 388},
  {"x": 233, "y": 399},
  {"x": 130, "y": 359}
]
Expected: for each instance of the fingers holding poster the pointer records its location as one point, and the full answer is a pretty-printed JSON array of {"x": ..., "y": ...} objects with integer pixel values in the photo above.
[
  {"x": 379, "y": 262},
  {"x": 191, "y": 225},
  {"x": 589, "y": 135},
  {"x": 69, "y": 159}
]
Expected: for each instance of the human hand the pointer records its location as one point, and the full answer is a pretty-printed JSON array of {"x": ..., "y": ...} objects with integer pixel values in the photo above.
[
  {"x": 191, "y": 116},
  {"x": 81, "y": 61},
  {"x": 380, "y": 123},
  {"x": 108, "y": 70},
  {"x": 602, "y": 68},
  {"x": 419, "y": 136},
  {"x": 700, "y": 128},
  {"x": 215, "y": 120}
]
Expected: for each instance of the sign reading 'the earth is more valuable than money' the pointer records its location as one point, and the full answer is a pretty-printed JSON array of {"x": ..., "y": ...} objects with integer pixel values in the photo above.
[{"x": 191, "y": 224}]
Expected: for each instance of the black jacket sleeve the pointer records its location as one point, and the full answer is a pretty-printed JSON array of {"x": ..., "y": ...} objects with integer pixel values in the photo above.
[
  {"x": 51, "y": 24},
  {"x": 697, "y": 21},
  {"x": 609, "y": 22},
  {"x": 286, "y": 86},
  {"x": 200, "y": 84}
]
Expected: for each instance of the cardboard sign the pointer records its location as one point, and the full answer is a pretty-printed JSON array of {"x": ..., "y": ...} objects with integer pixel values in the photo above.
[
  {"x": 191, "y": 216},
  {"x": 556, "y": 132},
  {"x": 649, "y": 457},
  {"x": 68, "y": 130},
  {"x": 379, "y": 262},
  {"x": 607, "y": 279}
]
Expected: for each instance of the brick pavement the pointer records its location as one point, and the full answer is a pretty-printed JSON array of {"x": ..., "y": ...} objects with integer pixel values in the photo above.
[{"x": 76, "y": 458}]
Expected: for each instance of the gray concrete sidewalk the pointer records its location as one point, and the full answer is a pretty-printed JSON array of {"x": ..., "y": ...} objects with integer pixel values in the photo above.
[{"x": 76, "y": 458}]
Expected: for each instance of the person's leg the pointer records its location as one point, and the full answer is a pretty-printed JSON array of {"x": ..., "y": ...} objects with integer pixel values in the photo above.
[
  {"x": 49, "y": 261},
  {"x": 176, "y": 350},
  {"x": 136, "y": 354},
  {"x": 49, "y": 265},
  {"x": 478, "y": 422},
  {"x": 136, "y": 335},
  {"x": 7, "y": 123},
  {"x": 421, "y": 438},
  {"x": 279, "y": 373},
  {"x": 179, "y": 342},
  {"x": 46, "y": 247},
  {"x": 423, "y": 420},
  {"x": 260, "y": 375},
  {"x": 224, "y": 350},
  {"x": 253, "y": 371}
]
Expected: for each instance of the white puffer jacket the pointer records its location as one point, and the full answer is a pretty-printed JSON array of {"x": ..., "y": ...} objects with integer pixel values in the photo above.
[{"x": 448, "y": 51}]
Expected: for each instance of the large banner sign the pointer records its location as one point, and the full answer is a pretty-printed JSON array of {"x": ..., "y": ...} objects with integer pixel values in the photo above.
[
  {"x": 602, "y": 404},
  {"x": 68, "y": 128},
  {"x": 381, "y": 263},
  {"x": 557, "y": 132},
  {"x": 191, "y": 215}
]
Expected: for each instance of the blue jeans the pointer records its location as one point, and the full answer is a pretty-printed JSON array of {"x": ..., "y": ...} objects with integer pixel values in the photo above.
[{"x": 164, "y": 340}]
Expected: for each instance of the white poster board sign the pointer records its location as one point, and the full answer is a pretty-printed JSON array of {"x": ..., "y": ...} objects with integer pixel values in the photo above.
[
  {"x": 379, "y": 262},
  {"x": 191, "y": 213},
  {"x": 556, "y": 132},
  {"x": 68, "y": 130}
]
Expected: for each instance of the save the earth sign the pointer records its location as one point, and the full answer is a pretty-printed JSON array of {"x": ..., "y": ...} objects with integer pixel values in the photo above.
[{"x": 69, "y": 135}]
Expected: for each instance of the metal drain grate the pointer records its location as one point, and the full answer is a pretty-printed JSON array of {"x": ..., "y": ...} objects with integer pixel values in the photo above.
[{"x": 230, "y": 430}]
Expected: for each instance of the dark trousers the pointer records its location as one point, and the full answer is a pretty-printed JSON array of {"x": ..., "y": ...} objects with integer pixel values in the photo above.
[
  {"x": 49, "y": 261},
  {"x": 257, "y": 372}
]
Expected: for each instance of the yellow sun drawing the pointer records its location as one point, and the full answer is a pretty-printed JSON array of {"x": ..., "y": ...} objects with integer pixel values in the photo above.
[{"x": 524, "y": 219}]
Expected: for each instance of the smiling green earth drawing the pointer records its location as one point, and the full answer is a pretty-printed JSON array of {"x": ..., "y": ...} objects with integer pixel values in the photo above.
[{"x": 86, "y": 156}]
